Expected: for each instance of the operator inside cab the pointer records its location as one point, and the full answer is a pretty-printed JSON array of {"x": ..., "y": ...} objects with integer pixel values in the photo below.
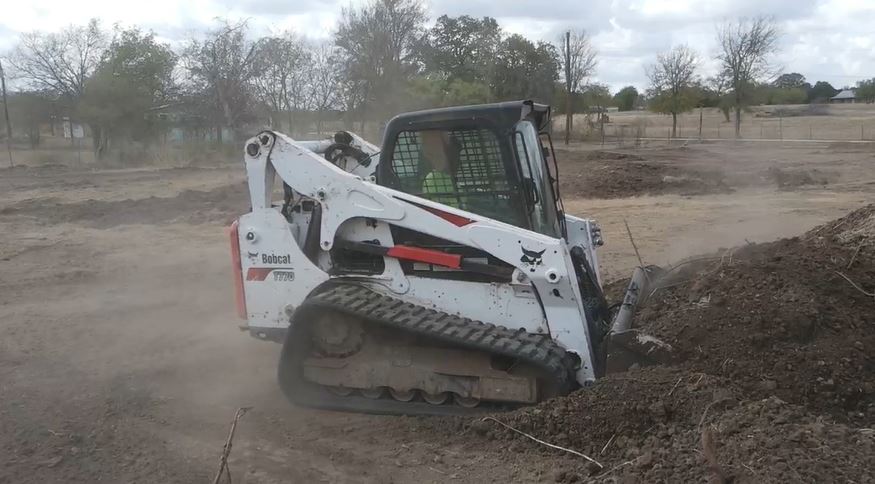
[{"x": 439, "y": 184}]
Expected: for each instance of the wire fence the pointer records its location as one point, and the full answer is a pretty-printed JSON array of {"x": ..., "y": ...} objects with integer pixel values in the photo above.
[{"x": 635, "y": 128}]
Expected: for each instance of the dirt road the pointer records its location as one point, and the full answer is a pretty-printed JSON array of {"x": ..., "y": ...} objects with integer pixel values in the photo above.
[{"x": 120, "y": 360}]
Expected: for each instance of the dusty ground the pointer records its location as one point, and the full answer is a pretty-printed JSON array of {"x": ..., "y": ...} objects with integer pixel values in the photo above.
[{"x": 120, "y": 360}]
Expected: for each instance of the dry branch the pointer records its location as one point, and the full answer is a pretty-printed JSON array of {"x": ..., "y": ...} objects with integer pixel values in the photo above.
[
  {"x": 872, "y": 295},
  {"x": 637, "y": 254},
  {"x": 856, "y": 252},
  {"x": 226, "y": 450},
  {"x": 570, "y": 451}
]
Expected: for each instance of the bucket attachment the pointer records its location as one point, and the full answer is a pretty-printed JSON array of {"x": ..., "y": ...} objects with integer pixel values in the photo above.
[{"x": 628, "y": 347}]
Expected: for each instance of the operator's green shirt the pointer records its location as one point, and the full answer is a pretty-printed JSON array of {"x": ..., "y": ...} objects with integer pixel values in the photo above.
[{"x": 441, "y": 189}]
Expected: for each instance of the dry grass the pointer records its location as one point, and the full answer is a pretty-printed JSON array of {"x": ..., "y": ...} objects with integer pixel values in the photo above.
[{"x": 827, "y": 122}]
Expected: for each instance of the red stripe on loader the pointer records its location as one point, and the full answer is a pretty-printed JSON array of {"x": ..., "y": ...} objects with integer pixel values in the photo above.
[
  {"x": 258, "y": 273},
  {"x": 426, "y": 255},
  {"x": 237, "y": 268}
]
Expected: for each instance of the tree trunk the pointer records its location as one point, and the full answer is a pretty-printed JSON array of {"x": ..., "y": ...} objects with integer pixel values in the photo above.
[
  {"x": 738, "y": 121},
  {"x": 674, "y": 125},
  {"x": 219, "y": 135}
]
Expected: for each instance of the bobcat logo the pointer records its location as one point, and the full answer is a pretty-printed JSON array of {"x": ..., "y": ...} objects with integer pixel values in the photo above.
[{"x": 532, "y": 258}]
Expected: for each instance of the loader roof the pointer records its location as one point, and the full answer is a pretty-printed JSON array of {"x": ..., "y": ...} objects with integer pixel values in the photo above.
[{"x": 499, "y": 115}]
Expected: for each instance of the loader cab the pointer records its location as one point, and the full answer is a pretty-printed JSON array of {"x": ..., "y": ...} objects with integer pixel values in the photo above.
[{"x": 495, "y": 160}]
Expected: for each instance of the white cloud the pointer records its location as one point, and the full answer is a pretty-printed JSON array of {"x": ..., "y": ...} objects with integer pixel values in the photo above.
[{"x": 823, "y": 39}]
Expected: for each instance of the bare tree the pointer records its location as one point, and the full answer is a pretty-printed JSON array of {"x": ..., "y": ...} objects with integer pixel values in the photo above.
[
  {"x": 223, "y": 66},
  {"x": 578, "y": 63},
  {"x": 324, "y": 83},
  {"x": 281, "y": 63},
  {"x": 745, "y": 48},
  {"x": 60, "y": 62},
  {"x": 671, "y": 79}
]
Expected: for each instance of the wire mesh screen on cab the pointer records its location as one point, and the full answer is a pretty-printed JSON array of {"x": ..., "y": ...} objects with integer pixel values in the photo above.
[{"x": 459, "y": 168}]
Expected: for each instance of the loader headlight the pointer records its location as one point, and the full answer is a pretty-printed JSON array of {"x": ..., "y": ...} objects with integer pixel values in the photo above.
[{"x": 596, "y": 235}]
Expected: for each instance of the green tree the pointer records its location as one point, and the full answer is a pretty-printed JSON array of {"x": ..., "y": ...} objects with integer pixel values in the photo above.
[
  {"x": 625, "y": 99},
  {"x": 378, "y": 45},
  {"x": 821, "y": 92},
  {"x": 134, "y": 76},
  {"x": 791, "y": 80},
  {"x": 524, "y": 69},
  {"x": 672, "y": 80},
  {"x": 866, "y": 90},
  {"x": 460, "y": 48},
  {"x": 28, "y": 110},
  {"x": 596, "y": 96}
]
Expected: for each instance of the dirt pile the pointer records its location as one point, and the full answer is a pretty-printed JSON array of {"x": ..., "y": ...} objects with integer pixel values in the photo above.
[
  {"x": 671, "y": 425},
  {"x": 790, "y": 318},
  {"x": 786, "y": 179},
  {"x": 191, "y": 206},
  {"x": 605, "y": 174},
  {"x": 775, "y": 378}
]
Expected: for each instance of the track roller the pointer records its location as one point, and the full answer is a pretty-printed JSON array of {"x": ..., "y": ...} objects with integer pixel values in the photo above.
[
  {"x": 436, "y": 398},
  {"x": 402, "y": 395},
  {"x": 467, "y": 402},
  {"x": 372, "y": 393}
]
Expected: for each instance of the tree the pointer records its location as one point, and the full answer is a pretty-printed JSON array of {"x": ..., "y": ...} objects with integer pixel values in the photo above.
[
  {"x": 625, "y": 99},
  {"x": 222, "y": 65},
  {"x": 322, "y": 88},
  {"x": 525, "y": 70},
  {"x": 282, "y": 66},
  {"x": 134, "y": 75},
  {"x": 60, "y": 62},
  {"x": 672, "y": 78},
  {"x": 30, "y": 109},
  {"x": 821, "y": 92},
  {"x": 745, "y": 48},
  {"x": 791, "y": 81},
  {"x": 460, "y": 48},
  {"x": 578, "y": 62},
  {"x": 377, "y": 45},
  {"x": 866, "y": 90}
]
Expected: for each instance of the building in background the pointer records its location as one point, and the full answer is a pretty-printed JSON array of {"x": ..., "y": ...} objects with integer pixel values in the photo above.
[{"x": 848, "y": 96}]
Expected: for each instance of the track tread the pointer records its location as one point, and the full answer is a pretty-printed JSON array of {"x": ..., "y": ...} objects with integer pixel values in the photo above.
[{"x": 538, "y": 350}]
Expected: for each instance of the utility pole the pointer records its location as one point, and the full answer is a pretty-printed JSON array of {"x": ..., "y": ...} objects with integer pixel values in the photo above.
[
  {"x": 6, "y": 114},
  {"x": 568, "y": 103}
]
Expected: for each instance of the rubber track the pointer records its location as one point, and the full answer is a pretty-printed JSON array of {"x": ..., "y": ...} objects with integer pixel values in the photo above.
[{"x": 360, "y": 301}]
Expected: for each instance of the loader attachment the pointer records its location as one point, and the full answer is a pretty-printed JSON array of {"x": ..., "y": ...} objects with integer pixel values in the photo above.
[{"x": 629, "y": 347}]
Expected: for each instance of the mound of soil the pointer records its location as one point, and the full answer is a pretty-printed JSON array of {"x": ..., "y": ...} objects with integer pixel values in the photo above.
[
  {"x": 672, "y": 425},
  {"x": 790, "y": 179},
  {"x": 605, "y": 174},
  {"x": 191, "y": 206},
  {"x": 782, "y": 318},
  {"x": 775, "y": 374}
]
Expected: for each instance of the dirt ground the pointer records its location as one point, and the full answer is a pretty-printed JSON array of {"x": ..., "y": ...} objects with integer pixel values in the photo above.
[{"x": 121, "y": 360}]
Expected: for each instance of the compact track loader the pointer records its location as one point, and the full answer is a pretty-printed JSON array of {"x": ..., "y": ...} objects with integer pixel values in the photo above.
[{"x": 437, "y": 274}]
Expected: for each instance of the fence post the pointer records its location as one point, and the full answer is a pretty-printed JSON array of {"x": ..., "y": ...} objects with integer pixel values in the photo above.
[
  {"x": 781, "y": 127},
  {"x": 718, "y": 130},
  {"x": 861, "y": 133},
  {"x": 761, "y": 130},
  {"x": 700, "y": 124},
  {"x": 809, "y": 132}
]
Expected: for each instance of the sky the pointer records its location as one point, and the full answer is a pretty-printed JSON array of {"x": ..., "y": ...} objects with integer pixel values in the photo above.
[{"x": 831, "y": 40}]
